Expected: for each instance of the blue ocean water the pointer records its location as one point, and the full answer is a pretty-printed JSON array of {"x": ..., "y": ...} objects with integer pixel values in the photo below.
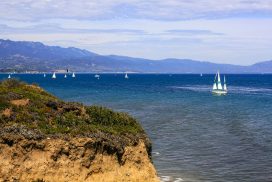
[{"x": 196, "y": 136}]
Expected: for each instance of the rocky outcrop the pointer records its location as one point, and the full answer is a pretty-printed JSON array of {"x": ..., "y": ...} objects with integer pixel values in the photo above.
[{"x": 43, "y": 138}]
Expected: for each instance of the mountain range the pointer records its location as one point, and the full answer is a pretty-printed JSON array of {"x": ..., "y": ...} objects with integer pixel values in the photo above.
[{"x": 24, "y": 56}]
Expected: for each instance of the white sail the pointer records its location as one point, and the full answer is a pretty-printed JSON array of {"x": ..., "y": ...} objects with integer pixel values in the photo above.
[
  {"x": 9, "y": 76},
  {"x": 219, "y": 85},
  {"x": 73, "y": 75},
  {"x": 65, "y": 76},
  {"x": 126, "y": 76},
  {"x": 44, "y": 75},
  {"x": 214, "y": 86},
  {"x": 54, "y": 75},
  {"x": 225, "y": 84},
  {"x": 218, "y": 77}
]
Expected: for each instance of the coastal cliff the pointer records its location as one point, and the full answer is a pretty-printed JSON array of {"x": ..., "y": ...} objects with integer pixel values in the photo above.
[{"x": 43, "y": 138}]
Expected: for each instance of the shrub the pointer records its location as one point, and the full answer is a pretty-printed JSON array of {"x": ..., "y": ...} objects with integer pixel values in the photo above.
[
  {"x": 52, "y": 116},
  {"x": 11, "y": 83},
  {"x": 3, "y": 103}
]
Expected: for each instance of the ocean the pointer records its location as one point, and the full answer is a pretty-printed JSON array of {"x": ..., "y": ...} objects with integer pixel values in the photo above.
[{"x": 196, "y": 136}]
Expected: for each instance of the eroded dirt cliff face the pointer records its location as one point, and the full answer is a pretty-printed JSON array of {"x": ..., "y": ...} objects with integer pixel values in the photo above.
[
  {"x": 28, "y": 155},
  {"x": 43, "y": 138}
]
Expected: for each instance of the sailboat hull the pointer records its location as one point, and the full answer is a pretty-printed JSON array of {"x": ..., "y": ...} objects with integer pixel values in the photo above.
[{"x": 219, "y": 92}]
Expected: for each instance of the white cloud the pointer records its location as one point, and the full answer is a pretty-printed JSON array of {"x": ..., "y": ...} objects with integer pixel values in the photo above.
[
  {"x": 55, "y": 28},
  {"x": 140, "y": 9}
]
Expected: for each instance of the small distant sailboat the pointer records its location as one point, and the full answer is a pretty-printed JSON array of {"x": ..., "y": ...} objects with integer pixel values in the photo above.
[
  {"x": 73, "y": 75},
  {"x": 97, "y": 76},
  {"x": 44, "y": 75},
  {"x": 217, "y": 86},
  {"x": 201, "y": 74},
  {"x": 126, "y": 76},
  {"x": 9, "y": 76},
  {"x": 65, "y": 76},
  {"x": 54, "y": 75}
]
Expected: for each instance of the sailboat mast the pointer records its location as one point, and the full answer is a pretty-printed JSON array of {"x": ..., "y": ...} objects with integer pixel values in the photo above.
[
  {"x": 214, "y": 83},
  {"x": 215, "y": 78}
]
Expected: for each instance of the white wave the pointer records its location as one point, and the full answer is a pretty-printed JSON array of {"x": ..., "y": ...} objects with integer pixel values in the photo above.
[
  {"x": 197, "y": 88},
  {"x": 237, "y": 89},
  {"x": 170, "y": 179},
  {"x": 165, "y": 178},
  {"x": 231, "y": 89},
  {"x": 178, "y": 180},
  {"x": 156, "y": 153}
]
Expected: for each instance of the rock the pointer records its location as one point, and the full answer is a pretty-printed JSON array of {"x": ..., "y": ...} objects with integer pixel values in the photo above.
[{"x": 52, "y": 104}]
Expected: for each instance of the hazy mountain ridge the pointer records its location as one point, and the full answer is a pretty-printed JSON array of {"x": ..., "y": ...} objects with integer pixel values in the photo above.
[
  {"x": 24, "y": 55},
  {"x": 39, "y": 50},
  {"x": 265, "y": 66}
]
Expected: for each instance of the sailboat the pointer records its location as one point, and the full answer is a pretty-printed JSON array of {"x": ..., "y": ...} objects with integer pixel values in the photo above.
[
  {"x": 126, "y": 76},
  {"x": 97, "y": 76},
  {"x": 54, "y": 75},
  {"x": 201, "y": 74},
  {"x": 73, "y": 75},
  {"x": 65, "y": 76},
  {"x": 44, "y": 75},
  {"x": 217, "y": 86},
  {"x": 9, "y": 76}
]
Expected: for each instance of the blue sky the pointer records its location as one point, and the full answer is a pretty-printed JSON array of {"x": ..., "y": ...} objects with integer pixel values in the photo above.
[{"x": 221, "y": 31}]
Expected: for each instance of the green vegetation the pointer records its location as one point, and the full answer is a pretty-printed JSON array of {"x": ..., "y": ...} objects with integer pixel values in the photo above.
[{"x": 31, "y": 106}]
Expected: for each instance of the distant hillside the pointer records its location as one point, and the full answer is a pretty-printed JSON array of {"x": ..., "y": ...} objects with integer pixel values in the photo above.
[
  {"x": 38, "y": 50},
  {"x": 22, "y": 56},
  {"x": 262, "y": 67}
]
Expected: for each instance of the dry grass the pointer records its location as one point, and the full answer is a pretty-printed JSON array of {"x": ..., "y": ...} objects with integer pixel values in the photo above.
[
  {"x": 20, "y": 102},
  {"x": 7, "y": 112}
]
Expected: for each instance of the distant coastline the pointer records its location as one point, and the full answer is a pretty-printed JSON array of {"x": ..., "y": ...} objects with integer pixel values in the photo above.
[
  {"x": 34, "y": 57},
  {"x": 122, "y": 73}
]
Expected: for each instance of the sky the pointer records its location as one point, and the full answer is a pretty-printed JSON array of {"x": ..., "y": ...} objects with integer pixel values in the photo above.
[{"x": 220, "y": 31}]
